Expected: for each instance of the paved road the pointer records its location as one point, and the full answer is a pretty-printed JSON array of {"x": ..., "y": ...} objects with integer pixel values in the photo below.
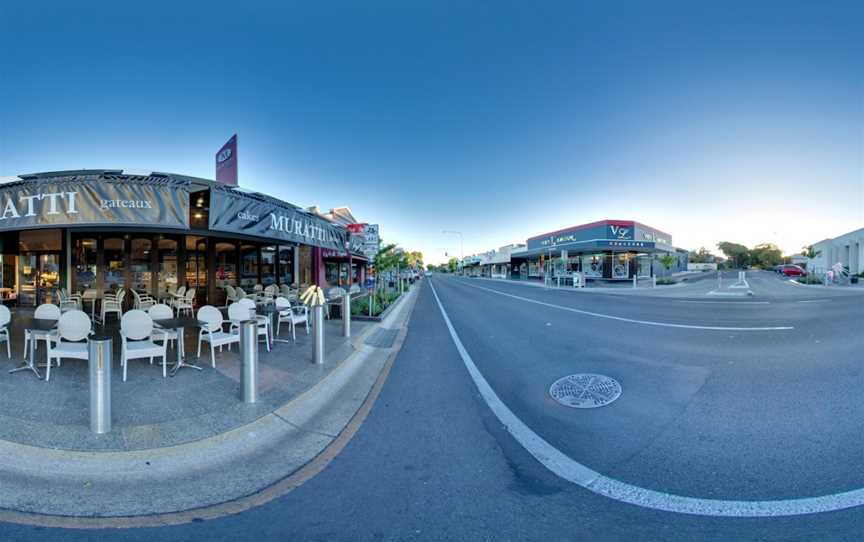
[{"x": 758, "y": 414}]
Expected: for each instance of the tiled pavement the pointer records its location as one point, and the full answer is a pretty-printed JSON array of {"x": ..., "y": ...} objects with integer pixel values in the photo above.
[{"x": 149, "y": 411}]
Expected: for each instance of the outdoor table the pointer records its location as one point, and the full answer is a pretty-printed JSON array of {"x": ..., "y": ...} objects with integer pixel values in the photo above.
[
  {"x": 37, "y": 325},
  {"x": 91, "y": 296},
  {"x": 273, "y": 313},
  {"x": 179, "y": 324}
]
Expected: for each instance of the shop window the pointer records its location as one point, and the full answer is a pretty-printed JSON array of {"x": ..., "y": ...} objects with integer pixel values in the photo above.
[
  {"x": 268, "y": 265},
  {"x": 40, "y": 240},
  {"x": 286, "y": 264},
  {"x": 621, "y": 265},
  {"x": 84, "y": 265},
  {"x": 166, "y": 280},
  {"x": 331, "y": 273},
  {"x": 226, "y": 270},
  {"x": 305, "y": 270},
  {"x": 115, "y": 263},
  {"x": 196, "y": 267},
  {"x": 140, "y": 260},
  {"x": 248, "y": 267},
  {"x": 592, "y": 265}
]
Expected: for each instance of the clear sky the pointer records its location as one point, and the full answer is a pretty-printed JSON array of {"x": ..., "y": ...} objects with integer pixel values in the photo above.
[{"x": 708, "y": 120}]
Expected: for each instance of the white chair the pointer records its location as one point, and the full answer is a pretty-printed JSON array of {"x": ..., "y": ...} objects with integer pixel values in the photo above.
[
  {"x": 230, "y": 295},
  {"x": 263, "y": 321},
  {"x": 271, "y": 291},
  {"x": 5, "y": 318},
  {"x": 65, "y": 303},
  {"x": 136, "y": 336},
  {"x": 164, "y": 312},
  {"x": 143, "y": 301},
  {"x": 285, "y": 290},
  {"x": 257, "y": 288},
  {"x": 112, "y": 304},
  {"x": 73, "y": 327},
  {"x": 178, "y": 295},
  {"x": 292, "y": 315},
  {"x": 238, "y": 312},
  {"x": 211, "y": 331},
  {"x": 46, "y": 311},
  {"x": 186, "y": 304}
]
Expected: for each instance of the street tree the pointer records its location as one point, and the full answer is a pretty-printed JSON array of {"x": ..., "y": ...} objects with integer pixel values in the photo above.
[
  {"x": 810, "y": 253},
  {"x": 766, "y": 255},
  {"x": 738, "y": 255},
  {"x": 452, "y": 265},
  {"x": 667, "y": 261},
  {"x": 701, "y": 256}
]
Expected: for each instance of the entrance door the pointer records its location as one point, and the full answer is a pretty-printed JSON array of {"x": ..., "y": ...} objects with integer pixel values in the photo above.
[{"x": 38, "y": 278}]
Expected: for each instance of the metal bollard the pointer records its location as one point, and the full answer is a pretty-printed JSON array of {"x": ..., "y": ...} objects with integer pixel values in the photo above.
[
  {"x": 99, "y": 362},
  {"x": 653, "y": 281},
  {"x": 346, "y": 315},
  {"x": 249, "y": 356},
  {"x": 318, "y": 332},
  {"x": 634, "y": 281}
]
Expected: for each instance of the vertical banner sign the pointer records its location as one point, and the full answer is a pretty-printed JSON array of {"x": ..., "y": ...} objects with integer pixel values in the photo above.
[{"x": 226, "y": 162}]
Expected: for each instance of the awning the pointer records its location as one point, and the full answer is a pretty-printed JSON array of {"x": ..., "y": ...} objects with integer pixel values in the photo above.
[
  {"x": 69, "y": 199},
  {"x": 591, "y": 246},
  {"x": 250, "y": 213}
]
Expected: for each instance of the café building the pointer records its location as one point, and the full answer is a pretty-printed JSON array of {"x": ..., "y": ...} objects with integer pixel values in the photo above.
[
  {"x": 605, "y": 250},
  {"x": 104, "y": 229}
]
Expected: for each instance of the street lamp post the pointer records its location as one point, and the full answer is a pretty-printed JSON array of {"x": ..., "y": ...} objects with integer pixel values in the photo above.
[{"x": 461, "y": 246}]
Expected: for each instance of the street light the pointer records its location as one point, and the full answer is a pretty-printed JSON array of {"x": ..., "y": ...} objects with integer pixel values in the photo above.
[{"x": 461, "y": 244}]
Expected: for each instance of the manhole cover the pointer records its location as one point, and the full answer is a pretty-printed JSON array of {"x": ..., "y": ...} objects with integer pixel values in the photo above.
[{"x": 585, "y": 390}]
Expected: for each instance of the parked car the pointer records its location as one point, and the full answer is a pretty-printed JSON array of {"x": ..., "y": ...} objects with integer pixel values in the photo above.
[{"x": 793, "y": 271}]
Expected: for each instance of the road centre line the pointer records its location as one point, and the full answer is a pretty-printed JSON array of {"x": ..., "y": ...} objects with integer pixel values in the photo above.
[
  {"x": 631, "y": 320},
  {"x": 572, "y": 471}
]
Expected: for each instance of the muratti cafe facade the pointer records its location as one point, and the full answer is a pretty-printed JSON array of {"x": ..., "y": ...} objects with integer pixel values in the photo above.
[
  {"x": 603, "y": 250},
  {"x": 103, "y": 230}
]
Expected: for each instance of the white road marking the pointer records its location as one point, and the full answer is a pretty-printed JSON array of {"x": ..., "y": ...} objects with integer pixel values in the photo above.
[
  {"x": 814, "y": 301},
  {"x": 724, "y": 302},
  {"x": 631, "y": 320},
  {"x": 572, "y": 471}
]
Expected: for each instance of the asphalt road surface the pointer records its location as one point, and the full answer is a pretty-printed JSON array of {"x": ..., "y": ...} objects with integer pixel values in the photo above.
[{"x": 745, "y": 399}]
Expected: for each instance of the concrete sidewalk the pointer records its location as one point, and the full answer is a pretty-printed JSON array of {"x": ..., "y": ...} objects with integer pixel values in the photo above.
[{"x": 69, "y": 487}]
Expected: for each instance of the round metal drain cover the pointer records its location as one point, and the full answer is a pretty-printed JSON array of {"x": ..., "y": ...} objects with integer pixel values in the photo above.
[{"x": 585, "y": 390}]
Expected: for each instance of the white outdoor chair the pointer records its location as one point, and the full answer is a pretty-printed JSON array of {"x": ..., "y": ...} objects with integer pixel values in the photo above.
[
  {"x": 136, "y": 336},
  {"x": 257, "y": 288},
  {"x": 271, "y": 291},
  {"x": 65, "y": 303},
  {"x": 178, "y": 295},
  {"x": 73, "y": 327},
  {"x": 186, "y": 304},
  {"x": 245, "y": 310},
  {"x": 143, "y": 301},
  {"x": 292, "y": 315},
  {"x": 211, "y": 331},
  {"x": 46, "y": 311},
  {"x": 5, "y": 318},
  {"x": 285, "y": 290},
  {"x": 112, "y": 304},
  {"x": 164, "y": 312},
  {"x": 230, "y": 295}
]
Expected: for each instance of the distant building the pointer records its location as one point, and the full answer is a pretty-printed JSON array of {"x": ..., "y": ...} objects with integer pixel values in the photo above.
[{"x": 847, "y": 249}]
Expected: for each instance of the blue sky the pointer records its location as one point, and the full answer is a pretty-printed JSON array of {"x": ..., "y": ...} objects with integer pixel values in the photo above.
[{"x": 502, "y": 120}]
